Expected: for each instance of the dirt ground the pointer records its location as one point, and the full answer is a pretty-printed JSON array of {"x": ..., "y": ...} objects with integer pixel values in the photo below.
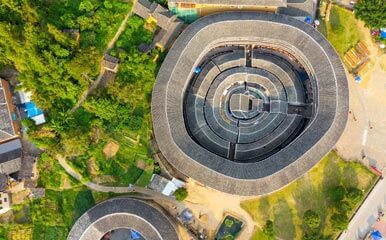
[
  {"x": 215, "y": 205},
  {"x": 365, "y": 133}
]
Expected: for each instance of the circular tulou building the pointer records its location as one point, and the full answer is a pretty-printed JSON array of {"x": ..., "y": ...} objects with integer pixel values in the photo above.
[
  {"x": 248, "y": 102},
  {"x": 126, "y": 218}
]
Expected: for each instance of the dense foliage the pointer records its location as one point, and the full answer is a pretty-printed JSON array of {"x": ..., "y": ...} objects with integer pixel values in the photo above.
[
  {"x": 57, "y": 48},
  {"x": 58, "y": 65},
  {"x": 181, "y": 194},
  {"x": 372, "y": 12},
  {"x": 268, "y": 230},
  {"x": 311, "y": 219}
]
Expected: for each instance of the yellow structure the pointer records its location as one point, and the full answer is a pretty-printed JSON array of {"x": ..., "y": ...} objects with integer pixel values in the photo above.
[
  {"x": 206, "y": 7},
  {"x": 357, "y": 58}
]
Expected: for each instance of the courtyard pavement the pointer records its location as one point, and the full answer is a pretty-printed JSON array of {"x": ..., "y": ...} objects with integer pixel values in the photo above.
[{"x": 364, "y": 138}]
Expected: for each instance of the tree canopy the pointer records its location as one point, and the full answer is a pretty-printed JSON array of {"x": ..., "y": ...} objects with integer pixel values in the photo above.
[
  {"x": 268, "y": 229},
  {"x": 311, "y": 219},
  {"x": 181, "y": 194},
  {"x": 372, "y": 12}
]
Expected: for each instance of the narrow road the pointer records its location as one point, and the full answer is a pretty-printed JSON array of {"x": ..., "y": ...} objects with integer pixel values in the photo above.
[
  {"x": 110, "y": 45},
  {"x": 367, "y": 214},
  {"x": 120, "y": 30},
  {"x": 100, "y": 188}
]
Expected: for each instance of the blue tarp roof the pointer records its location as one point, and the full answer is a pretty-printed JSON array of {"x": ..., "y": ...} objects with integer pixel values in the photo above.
[
  {"x": 383, "y": 33},
  {"x": 376, "y": 235},
  {"x": 308, "y": 19},
  {"x": 135, "y": 235},
  {"x": 32, "y": 109}
]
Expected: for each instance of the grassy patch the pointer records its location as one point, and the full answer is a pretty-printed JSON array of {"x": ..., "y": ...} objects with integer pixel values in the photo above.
[
  {"x": 341, "y": 30},
  {"x": 51, "y": 174},
  {"x": 287, "y": 206},
  {"x": 51, "y": 217}
]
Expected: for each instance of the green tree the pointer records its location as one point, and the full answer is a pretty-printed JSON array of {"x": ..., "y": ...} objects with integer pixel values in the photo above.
[
  {"x": 354, "y": 196},
  {"x": 343, "y": 207},
  {"x": 311, "y": 219},
  {"x": 337, "y": 194},
  {"x": 181, "y": 194},
  {"x": 372, "y": 12},
  {"x": 229, "y": 223},
  {"x": 268, "y": 230},
  {"x": 339, "y": 221},
  {"x": 87, "y": 6}
]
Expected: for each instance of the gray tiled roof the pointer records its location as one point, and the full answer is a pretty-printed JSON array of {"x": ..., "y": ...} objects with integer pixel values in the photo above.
[
  {"x": 10, "y": 150},
  {"x": 169, "y": 23},
  {"x": 299, "y": 8},
  {"x": 123, "y": 212},
  {"x": 6, "y": 128},
  {"x": 273, "y": 3},
  {"x": 273, "y": 171}
]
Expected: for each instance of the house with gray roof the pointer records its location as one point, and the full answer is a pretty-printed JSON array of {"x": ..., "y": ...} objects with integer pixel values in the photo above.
[
  {"x": 169, "y": 25},
  {"x": 10, "y": 156},
  {"x": 8, "y": 128}
]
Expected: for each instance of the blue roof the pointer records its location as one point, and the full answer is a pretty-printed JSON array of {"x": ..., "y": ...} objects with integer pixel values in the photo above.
[
  {"x": 197, "y": 70},
  {"x": 308, "y": 19},
  {"x": 134, "y": 234},
  {"x": 376, "y": 235},
  {"x": 383, "y": 33},
  {"x": 32, "y": 109}
]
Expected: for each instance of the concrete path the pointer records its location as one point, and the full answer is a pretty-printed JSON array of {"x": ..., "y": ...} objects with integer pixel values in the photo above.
[
  {"x": 367, "y": 215},
  {"x": 120, "y": 30},
  {"x": 110, "y": 45},
  {"x": 101, "y": 188}
]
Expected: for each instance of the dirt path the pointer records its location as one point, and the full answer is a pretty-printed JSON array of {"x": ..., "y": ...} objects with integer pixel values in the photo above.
[
  {"x": 120, "y": 30},
  {"x": 110, "y": 45}
]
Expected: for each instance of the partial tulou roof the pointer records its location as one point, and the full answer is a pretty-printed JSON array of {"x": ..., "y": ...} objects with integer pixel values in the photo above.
[
  {"x": 268, "y": 3},
  {"x": 123, "y": 212}
]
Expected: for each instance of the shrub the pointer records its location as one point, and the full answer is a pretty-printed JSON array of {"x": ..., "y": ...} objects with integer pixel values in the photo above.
[
  {"x": 181, "y": 194},
  {"x": 354, "y": 196},
  {"x": 228, "y": 223},
  {"x": 339, "y": 221},
  {"x": 311, "y": 219},
  {"x": 268, "y": 229},
  {"x": 337, "y": 194}
]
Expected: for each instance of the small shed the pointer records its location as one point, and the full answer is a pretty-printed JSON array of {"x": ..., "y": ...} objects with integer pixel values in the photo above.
[
  {"x": 37, "y": 193},
  {"x": 144, "y": 48},
  {"x": 165, "y": 186},
  {"x": 73, "y": 33},
  {"x": 10, "y": 156},
  {"x": 110, "y": 63}
]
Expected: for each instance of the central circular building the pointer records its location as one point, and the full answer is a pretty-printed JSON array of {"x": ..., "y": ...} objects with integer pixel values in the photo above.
[{"x": 248, "y": 102}]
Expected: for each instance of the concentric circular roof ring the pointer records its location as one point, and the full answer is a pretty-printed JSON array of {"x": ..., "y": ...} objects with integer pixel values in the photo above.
[
  {"x": 123, "y": 212},
  {"x": 319, "y": 100}
]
